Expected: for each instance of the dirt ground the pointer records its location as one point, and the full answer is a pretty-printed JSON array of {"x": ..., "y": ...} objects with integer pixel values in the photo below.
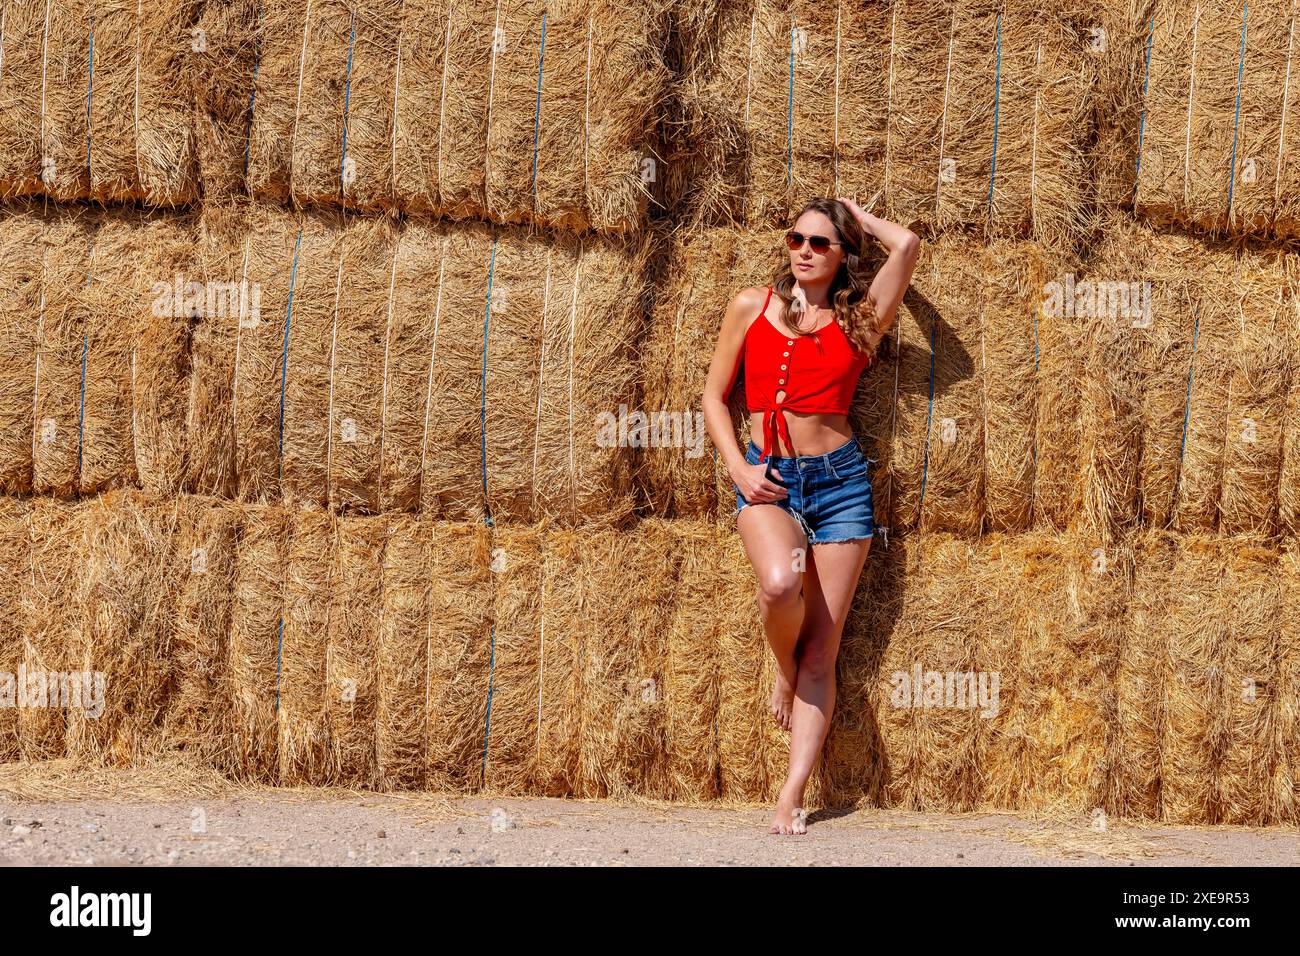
[{"x": 294, "y": 827}]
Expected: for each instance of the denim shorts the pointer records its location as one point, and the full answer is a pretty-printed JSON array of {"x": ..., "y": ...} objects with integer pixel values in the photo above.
[{"x": 829, "y": 495}]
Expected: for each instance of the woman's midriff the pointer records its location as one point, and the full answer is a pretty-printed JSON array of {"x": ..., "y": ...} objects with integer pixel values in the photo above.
[{"x": 813, "y": 433}]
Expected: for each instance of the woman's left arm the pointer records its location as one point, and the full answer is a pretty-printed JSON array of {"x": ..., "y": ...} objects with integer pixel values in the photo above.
[{"x": 895, "y": 275}]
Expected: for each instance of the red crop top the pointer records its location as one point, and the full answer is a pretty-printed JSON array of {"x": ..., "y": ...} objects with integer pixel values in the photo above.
[{"x": 819, "y": 373}]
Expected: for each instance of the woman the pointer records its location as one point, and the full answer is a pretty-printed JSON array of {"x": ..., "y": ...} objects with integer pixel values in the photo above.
[{"x": 796, "y": 365}]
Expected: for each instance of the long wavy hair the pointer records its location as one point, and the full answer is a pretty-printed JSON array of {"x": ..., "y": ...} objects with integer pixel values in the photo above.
[{"x": 854, "y": 307}]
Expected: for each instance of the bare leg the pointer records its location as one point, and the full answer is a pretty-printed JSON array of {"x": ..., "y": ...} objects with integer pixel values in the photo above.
[
  {"x": 776, "y": 545},
  {"x": 832, "y": 578}
]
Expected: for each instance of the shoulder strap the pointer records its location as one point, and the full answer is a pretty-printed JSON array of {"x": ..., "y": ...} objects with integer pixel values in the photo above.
[{"x": 765, "y": 302}]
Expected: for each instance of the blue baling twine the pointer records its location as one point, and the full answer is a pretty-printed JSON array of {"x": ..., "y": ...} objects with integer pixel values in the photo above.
[
  {"x": 929, "y": 416},
  {"x": 487, "y": 721},
  {"x": 537, "y": 110},
  {"x": 789, "y": 115},
  {"x": 1146, "y": 73},
  {"x": 284, "y": 355},
  {"x": 1236, "y": 118},
  {"x": 997, "y": 89},
  {"x": 81, "y": 410},
  {"x": 482, "y": 418},
  {"x": 347, "y": 90},
  {"x": 257, "y": 61}
]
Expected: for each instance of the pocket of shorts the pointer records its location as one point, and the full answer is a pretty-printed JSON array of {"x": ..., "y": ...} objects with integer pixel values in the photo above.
[{"x": 857, "y": 468}]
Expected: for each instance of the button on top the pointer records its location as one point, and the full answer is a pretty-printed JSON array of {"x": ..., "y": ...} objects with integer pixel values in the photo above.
[
  {"x": 783, "y": 367},
  {"x": 781, "y": 382},
  {"x": 785, "y": 353},
  {"x": 789, "y": 341}
]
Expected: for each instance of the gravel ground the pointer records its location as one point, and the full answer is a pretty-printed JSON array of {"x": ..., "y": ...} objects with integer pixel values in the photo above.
[{"x": 371, "y": 829}]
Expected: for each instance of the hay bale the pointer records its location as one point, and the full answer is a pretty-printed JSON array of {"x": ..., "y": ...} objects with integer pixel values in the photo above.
[
  {"x": 50, "y": 614},
  {"x": 530, "y": 742},
  {"x": 621, "y": 750},
  {"x": 1282, "y": 801},
  {"x": 62, "y": 334},
  {"x": 256, "y": 621},
  {"x": 309, "y": 598},
  {"x": 21, "y": 286},
  {"x": 353, "y": 640},
  {"x": 126, "y": 615},
  {"x": 460, "y": 648},
  {"x": 15, "y": 548},
  {"x": 693, "y": 290},
  {"x": 222, "y": 77},
  {"x": 691, "y": 679},
  {"x": 401, "y": 714},
  {"x": 224, "y": 244},
  {"x": 1118, "y": 34},
  {"x": 200, "y": 717},
  {"x": 1061, "y": 601},
  {"x": 1217, "y": 109}
]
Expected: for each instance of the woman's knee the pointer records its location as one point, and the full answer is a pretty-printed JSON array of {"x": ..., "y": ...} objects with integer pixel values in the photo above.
[
  {"x": 817, "y": 653},
  {"x": 779, "y": 585}
]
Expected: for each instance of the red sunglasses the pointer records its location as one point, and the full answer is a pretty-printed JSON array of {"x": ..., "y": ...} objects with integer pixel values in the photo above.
[{"x": 820, "y": 244}]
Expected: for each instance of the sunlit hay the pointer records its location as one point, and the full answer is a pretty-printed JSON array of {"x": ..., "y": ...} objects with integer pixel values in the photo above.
[
  {"x": 460, "y": 648},
  {"x": 629, "y": 582},
  {"x": 49, "y": 613},
  {"x": 456, "y": 264},
  {"x": 1029, "y": 416},
  {"x": 744, "y": 683},
  {"x": 22, "y": 123},
  {"x": 310, "y": 591},
  {"x": 308, "y": 351},
  {"x": 1116, "y": 47},
  {"x": 1144, "y": 348},
  {"x": 1289, "y": 477},
  {"x": 530, "y": 665},
  {"x": 617, "y": 109},
  {"x": 1282, "y": 802},
  {"x": 515, "y": 115},
  {"x": 125, "y": 620},
  {"x": 418, "y": 67},
  {"x": 219, "y": 71},
  {"x": 694, "y": 287},
  {"x": 1219, "y": 97},
  {"x": 15, "y": 549},
  {"x": 639, "y": 726},
  {"x": 691, "y": 676},
  {"x": 255, "y": 635},
  {"x": 271, "y": 242},
  {"x": 1220, "y": 616},
  {"x": 142, "y": 130},
  {"x": 1261, "y": 362},
  {"x": 460, "y": 103},
  {"x": 144, "y": 266},
  {"x": 353, "y": 639},
  {"x": 896, "y": 722},
  {"x": 943, "y": 628},
  {"x": 856, "y": 764},
  {"x": 938, "y": 445},
  {"x": 528, "y": 340},
  {"x": 61, "y": 331},
  {"x": 1062, "y": 601},
  {"x": 1142, "y": 694},
  {"x": 367, "y": 162},
  {"x": 403, "y": 656},
  {"x": 21, "y": 253},
  {"x": 1242, "y": 732},
  {"x": 104, "y": 396},
  {"x": 200, "y": 717},
  {"x": 412, "y": 310},
  {"x": 43, "y": 99},
  {"x": 296, "y": 132}
]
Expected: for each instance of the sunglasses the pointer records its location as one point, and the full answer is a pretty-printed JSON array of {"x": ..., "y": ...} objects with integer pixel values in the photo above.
[{"x": 820, "y": 244}]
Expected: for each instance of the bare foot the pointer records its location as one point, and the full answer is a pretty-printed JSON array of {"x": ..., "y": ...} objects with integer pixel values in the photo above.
[
  {"x": 782, "y": 701},
  {"x": 788, "y": 818}
]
